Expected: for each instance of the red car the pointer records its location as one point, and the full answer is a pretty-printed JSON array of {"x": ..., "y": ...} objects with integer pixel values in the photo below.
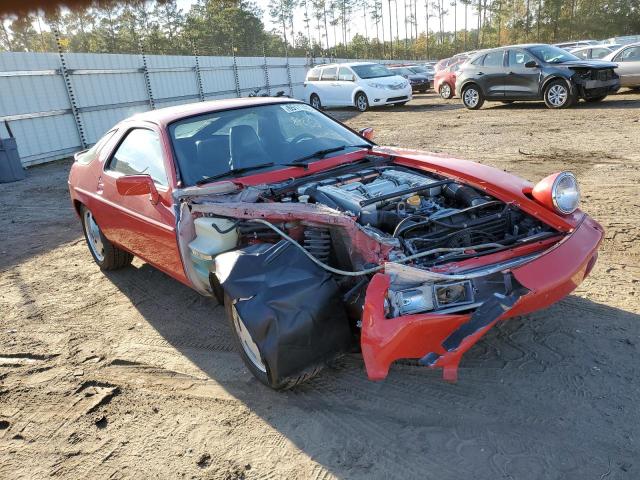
[
  {"x": 318, "y": 241},
  {"x": 444, "y": 81}
]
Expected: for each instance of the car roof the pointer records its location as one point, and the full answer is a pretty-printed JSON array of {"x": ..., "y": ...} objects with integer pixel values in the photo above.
[
  {"x": 589, "y": 47},
  {"x": 164, "y": 116},
  {"x": 348, "y": 64}
]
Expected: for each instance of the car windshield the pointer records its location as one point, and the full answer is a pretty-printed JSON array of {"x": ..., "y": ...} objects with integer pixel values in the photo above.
[
  {"x": 252, "y": 138},
  {"x": 551, "y": 54},
  {"x": 373, "y": 70}
]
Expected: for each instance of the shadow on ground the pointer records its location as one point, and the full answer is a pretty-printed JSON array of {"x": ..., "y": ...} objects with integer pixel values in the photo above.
[{"x": 541, "y": 396}]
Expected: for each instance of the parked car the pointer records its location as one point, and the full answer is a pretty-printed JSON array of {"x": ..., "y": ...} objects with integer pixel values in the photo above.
[
  {"x": 627, "y": 59},
  {"x": 360, "y": 84},
  {"x": 445, "y": 81},
  {"x": 419, "y": 81},
  {"x": 318, "y": 241},
  {"x": 534, "y": 72},
  {"x": 625, "y": 40},
  {"x": 572, "y": 45},
  {"x": 426, "y": 70},
  {"x": 591, "y": 52}
]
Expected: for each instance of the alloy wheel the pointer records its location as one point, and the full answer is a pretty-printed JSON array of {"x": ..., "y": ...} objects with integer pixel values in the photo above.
[
  {"x": 557, "y": 95},
  {"x": 248, "y": 345},
  {"x": 445, "y": 91},
  {"x": 94, "y": 236},
  {"x": 471, "y": 97}
]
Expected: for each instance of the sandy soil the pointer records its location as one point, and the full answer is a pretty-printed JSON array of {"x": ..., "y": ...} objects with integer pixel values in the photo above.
[{"x": 132, "y": 375}]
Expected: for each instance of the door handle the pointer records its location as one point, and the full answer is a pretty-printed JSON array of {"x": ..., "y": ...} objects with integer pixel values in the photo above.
[
  {"x": 480, "y": 73},
  {"x": 511, "y": 73}
]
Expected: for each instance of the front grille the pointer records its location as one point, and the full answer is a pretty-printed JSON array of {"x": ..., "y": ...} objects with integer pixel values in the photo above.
[{"x": 396, "y": 99}]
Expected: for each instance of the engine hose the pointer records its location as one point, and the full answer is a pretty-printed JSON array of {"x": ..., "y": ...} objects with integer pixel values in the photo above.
[{"x": 368, "y": 271}]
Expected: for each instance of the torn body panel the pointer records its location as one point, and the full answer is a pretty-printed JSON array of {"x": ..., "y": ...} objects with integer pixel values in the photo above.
[{"x": 549, "y": 278}]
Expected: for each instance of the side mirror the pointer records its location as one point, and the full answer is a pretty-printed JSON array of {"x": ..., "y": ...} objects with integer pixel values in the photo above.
[
  {"x": 133, "y": 185},
  {"x": 531, "y": 64},
  {"x": 367, "y": 133}
]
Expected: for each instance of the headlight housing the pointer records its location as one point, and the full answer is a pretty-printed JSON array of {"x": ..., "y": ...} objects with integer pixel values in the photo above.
[
  {"x": 559, "y": 192},
  {"x": 377, "y": 85}
]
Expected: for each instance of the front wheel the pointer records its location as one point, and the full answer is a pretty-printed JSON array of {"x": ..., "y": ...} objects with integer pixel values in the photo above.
[
  {"x": 472, "y": 97},
  {"x": 105, "y": 254},
  {"x": 251, "y": 356},
  {"x": 557, "y": 95},
  {"x": 315, "y": 101},
  {"x": 362, "y": 103},
  {"x": 446, "y": 91}
]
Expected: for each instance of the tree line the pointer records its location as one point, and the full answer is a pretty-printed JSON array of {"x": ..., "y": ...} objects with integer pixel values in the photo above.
[{"x": 387, "y": 28}]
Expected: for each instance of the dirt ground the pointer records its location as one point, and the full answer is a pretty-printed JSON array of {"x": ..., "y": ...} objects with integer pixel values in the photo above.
[{"x": 132, "y": 375}]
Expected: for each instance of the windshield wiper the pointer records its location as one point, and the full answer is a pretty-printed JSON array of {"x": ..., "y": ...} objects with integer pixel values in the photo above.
[
  {"x": 234, "y": 171},
  {"x": 322, "y": 153}
]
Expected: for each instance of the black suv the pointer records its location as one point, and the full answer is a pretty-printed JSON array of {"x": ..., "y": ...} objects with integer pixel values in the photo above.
[{"x": 534, "y": 72}]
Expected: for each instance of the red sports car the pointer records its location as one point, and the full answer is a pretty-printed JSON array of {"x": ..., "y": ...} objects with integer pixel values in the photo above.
[{"x": 318, "y": 241}]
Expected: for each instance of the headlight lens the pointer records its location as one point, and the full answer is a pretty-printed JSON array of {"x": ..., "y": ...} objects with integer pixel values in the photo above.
[
  {"x": 565, "y": 193},
  {"x": 377, "y": 85}
]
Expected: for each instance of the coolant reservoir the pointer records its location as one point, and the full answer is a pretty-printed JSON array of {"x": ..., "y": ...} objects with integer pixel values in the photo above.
[{"x": 209, "y": 242}]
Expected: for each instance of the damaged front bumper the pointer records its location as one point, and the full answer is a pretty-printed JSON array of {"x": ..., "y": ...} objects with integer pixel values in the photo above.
[{"x": 440, "y": 340}]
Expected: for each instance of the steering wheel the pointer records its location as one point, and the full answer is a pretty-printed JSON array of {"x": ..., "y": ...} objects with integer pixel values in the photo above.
[{"x": 301, "y": 137}]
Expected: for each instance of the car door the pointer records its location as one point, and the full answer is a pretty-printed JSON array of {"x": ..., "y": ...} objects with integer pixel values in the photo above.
[
  {"x": 491, "y": 74},
  {"x": 520, "y": 81},
  {"x": 628, "y": 61},
  {"x": 136, "y": 222},
  {"x": 329, "y": 80},
  {"x": 346, "y": 85}
]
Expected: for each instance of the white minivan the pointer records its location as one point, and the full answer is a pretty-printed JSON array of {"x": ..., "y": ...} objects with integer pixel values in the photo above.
[{"x": 360, "y": 84}]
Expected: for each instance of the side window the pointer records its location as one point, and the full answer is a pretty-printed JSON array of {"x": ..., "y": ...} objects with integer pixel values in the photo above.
[
  {"x": 517, "y": 58},
  {"x": 479, "y": 60},
  {"x": 584, "y": 54},
  {"x": 140, "y": 154},
  {"x": 313, "y": 75},
  {"x": 599, "y": 52},
  {"x": 494, "y": 59},
  {"x": 94, "y": 151},
  {"x": 330, "y": 74},
  {"x": 345, "y": 75},
  {"x": 631, "y": 54}
]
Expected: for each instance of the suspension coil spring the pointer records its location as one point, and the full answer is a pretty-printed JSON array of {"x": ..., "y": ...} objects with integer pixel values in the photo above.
[{"x": 317, "y": 241}]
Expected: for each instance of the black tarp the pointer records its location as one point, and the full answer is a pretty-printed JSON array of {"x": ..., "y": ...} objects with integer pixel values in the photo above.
[{"x": 291, "y": 306}]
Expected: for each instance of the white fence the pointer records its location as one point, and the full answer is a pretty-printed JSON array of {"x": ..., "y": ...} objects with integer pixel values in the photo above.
[{"x": 55, "y": 104}]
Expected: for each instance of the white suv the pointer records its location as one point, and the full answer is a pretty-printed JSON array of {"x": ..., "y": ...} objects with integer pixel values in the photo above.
[{"x": 362, "y": 85}]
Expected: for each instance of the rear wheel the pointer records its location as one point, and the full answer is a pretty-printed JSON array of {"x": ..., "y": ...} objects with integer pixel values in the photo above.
[
  {"x": 595, "y": 99},
  {"x": 315, "y": 101},
  {"x": 105, "y": 254},
  {"x": 252, "y": 358},
  {"x": 362, "y": 103},
  {"x": 558, "y": 95},
  {"x": 446, "y": 91},
  {"x": 472, "y": 97}
]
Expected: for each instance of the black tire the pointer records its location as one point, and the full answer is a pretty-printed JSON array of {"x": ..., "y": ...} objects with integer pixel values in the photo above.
[
  {"x": 557, "y": 94},
  {"x": 264, "y": 377},
  {"x": 361, "y": 102},
  {"x": 108, "y": 257},
  {"x": 315, "y": 102},
  {"x": 472, "y": 97},
  {"x": 445, "y": 91},
  {"x": 595, "y": 99}
]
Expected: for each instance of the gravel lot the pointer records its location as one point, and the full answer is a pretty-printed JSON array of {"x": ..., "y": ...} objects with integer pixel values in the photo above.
[{"x": 132, "y": 375}]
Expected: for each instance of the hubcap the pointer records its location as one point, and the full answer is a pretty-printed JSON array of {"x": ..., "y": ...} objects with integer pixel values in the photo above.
[
  {"x": 362, "y": 102},
  {"x": 557, "y": 95},
  {"x": 471, "y": 97},
  {"x": 248, "y": 345},
  {"x": 93, "y": 236},
  {"x": 445, "y": 91}
]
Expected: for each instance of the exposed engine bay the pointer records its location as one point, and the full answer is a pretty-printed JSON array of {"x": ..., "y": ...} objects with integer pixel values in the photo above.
[{"x": 322, "y": 237}]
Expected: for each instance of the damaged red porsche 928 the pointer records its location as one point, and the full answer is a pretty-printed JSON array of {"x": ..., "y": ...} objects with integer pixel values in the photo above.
[{"x": 320, "y": 242}]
